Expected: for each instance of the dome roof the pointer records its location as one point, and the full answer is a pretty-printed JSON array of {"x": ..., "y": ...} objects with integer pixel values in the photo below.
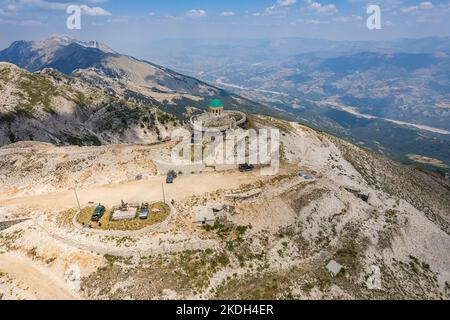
[{"x": 216, "y": 103}]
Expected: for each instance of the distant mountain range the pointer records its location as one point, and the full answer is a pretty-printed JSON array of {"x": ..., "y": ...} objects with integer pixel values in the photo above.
[
  {"x": 319, "y": 81},
  {"x": 410, "y": 87}
]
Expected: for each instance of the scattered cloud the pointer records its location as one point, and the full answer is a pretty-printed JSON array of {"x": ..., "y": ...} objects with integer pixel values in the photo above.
[
  {"x": 426, "y": 5},
  {"x": 43, "y": 4},
  {"x": 388, "y": 23},
  {"x": 15, "y": 22},
  {"x": 286, "y": 2},
  {"x": 312, "y": 21},
  {"x": 196, "y": 13},
  {"x": 95, "y": 11},
  {"x": 320, "y": 8},
  {"x": 227, "y": 14},
  {"x": 346, "y": 19}
]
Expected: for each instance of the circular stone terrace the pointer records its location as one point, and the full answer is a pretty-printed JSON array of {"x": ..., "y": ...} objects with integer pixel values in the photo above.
[{"x": 227, "y": 120}]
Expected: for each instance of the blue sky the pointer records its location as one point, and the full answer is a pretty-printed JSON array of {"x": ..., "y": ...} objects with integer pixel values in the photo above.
[{"x": 119, "y": 22}]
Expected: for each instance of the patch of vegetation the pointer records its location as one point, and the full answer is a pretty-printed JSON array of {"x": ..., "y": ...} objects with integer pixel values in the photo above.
[
  {"x": 5, "y": 74},
  {"x": 164, "y": 118},
  {"x": 391, "y": 216},
  {"x": 38, "y": 90},
  {"x": 7, "y": 240},
  {"x": 64, "y": 218},
  {"x": 262, "y": 286},
  {"x": 112, "y": 259},
  {"x": 186, "y": 273},
  {"x": 350, "y": 249},
  {"x": 88, "y": 140}
]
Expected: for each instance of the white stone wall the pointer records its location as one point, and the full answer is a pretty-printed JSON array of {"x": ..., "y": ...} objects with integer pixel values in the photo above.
[
  {"x": 164, "y": 167},
  {"x": 222, "y": 128}
]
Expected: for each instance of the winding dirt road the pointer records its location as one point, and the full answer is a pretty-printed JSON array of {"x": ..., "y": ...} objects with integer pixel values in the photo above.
[{"x": 137, "y": 191}]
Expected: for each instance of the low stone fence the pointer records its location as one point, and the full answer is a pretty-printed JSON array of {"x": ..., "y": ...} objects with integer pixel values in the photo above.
[
  {"x": 241, "y": 121},
  {"x": 164, "y": 167},
  {"x": 159, "y": 227},
  {"x": 226, "y": 167}
]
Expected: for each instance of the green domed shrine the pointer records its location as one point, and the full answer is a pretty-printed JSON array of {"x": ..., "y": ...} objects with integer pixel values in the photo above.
[
  {"x": 216, "y": 107},
  {"x": 217, "y": 119}
]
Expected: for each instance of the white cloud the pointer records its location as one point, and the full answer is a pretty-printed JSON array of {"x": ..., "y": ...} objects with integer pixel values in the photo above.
[
  {"x": 196, "y": 13},
  {"x": 273, "y": 10},
  {"x": 286, "y": 2},
  {"x": 411, "y": 9},
  {"x": 54, "y": 5},
  {"x": 8, "y": 10},
  {"x": 279, "y": 8},
  {"x": 320, "y": 8},
  {"x": 95, "y": 11},
  {"x": 227, "y": 14},
  {"x": 345, "y": 19},
  {"x": 14, "y": 22},
  {"x": 426, "y": 5},
  {"x": 44, "y": 4},
  {"x": 11, "y": 7},
  {"x": 312, "y": 21}
]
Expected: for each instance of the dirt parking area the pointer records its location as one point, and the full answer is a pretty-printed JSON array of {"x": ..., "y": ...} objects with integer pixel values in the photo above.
[{"x": 139, "y": 191}]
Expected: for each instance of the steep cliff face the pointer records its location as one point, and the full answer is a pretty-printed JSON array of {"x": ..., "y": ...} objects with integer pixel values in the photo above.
[{"x": 49, "y": 106}]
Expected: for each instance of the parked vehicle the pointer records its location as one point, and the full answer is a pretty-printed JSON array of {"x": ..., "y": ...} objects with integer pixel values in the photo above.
[
  {"x": 305, "y": 176},
  {"x": 172, "y": 173},
  {"x": 143, "y": 213},
  {"x": 98, "y": 213},
  {"x": 245, "y": 167},
  {"x": 169, "y": 179}
]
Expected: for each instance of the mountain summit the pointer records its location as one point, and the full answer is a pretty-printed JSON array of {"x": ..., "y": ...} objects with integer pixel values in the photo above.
[{"x": 54, "y": 52}]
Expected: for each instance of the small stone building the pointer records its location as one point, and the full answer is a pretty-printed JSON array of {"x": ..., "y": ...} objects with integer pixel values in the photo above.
[
  {"x": 334, "y": 268},
  {"x": 203, "y": 216}
]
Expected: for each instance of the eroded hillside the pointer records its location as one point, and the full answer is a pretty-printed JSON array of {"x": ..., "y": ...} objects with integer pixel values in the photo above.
[
  {"x": 274, "y": 240},
  {"x": 49, "y": 106}
]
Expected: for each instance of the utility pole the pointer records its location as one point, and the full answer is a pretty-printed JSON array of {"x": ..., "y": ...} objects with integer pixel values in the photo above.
[
  {"x": 76, "y": 196},
  {"x": 164, "y": 194}
]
